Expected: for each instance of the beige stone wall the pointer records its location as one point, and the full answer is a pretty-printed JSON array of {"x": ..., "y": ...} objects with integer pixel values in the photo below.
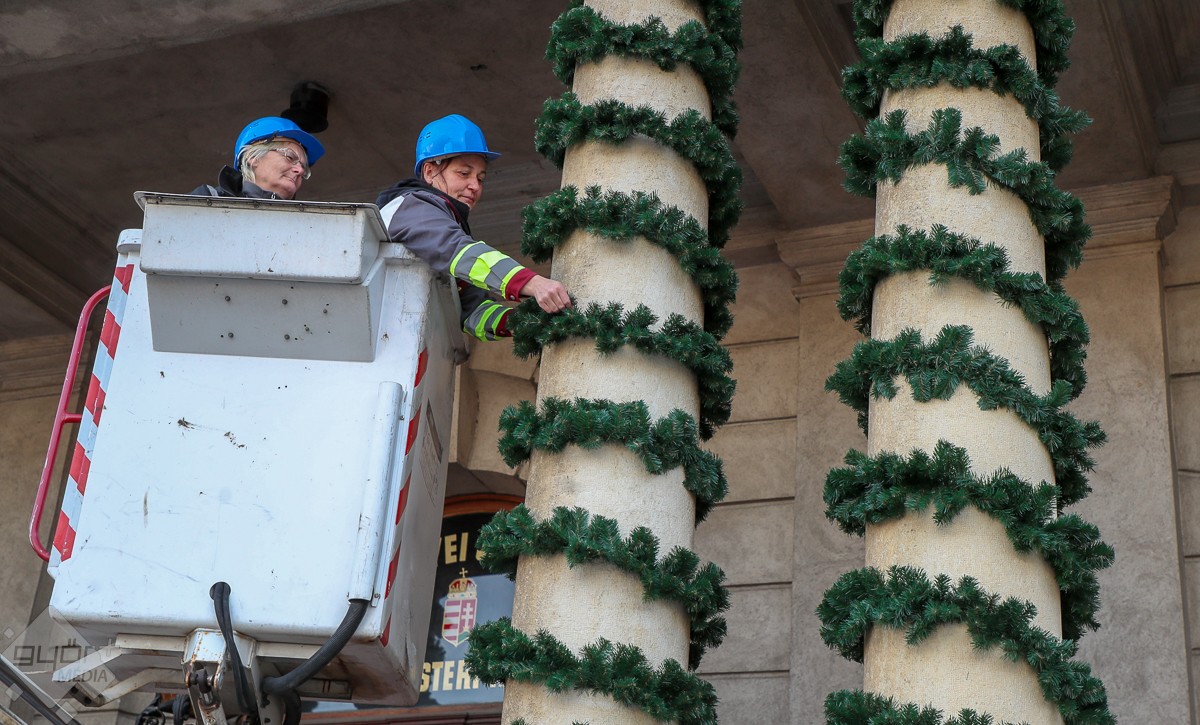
[
  {"x": 750, "y": 535},
  {"x": 31, "y": 374},
  {"x": 1181, "y": 299}
]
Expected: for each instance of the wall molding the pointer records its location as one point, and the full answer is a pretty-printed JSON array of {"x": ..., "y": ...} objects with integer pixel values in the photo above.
[{"x": 1126, "y": 218}]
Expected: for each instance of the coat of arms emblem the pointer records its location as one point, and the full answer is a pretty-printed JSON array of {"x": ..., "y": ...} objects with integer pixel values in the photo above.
[{"x": 458, "y": 617}]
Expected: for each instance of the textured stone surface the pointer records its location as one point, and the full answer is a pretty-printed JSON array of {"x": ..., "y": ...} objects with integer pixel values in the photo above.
[
  {"x": 1000, "y": 116},
  {"x": 1183, "y": 329},
  {"x": 536, "y": 704},
  {"x": 642, "y": 83},
  {"x": 947, "y": 670},
  {"x": 975, "y": 545},
  {"x": 616, "y": 608},
  {"x": 991, "y": 437},
  {"x": 765, "y": 308},
  {"x": 751, "y": 542},
  {"x": 1188, "y": 483},
  {"x": 23, "y": 437},
  {"x": 751, "y": 699},
  {"x": 1181, "y": 250},
  {"x": 573, "y": 369},
  {"x": 988, "y": 24},
  {"x": 760, "y": 459},
  {"x": 923, "y": 198},
  {"x": 909, "y": 301},
  {"x": 612, "y": 481},
  {"x": 1185, "y": 418},
  {"x": 759, "y": 634},
  {"x": 1139, "y": 651},
  {"x": 766, "y": 375}
]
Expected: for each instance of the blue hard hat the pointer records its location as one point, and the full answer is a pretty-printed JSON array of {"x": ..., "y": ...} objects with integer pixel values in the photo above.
[
  {"x": 450, "y": 136},
  {"x": 274, "y": 127}
]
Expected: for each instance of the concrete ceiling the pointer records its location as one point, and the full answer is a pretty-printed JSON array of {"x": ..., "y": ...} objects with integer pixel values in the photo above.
[{"x": 103, "y": 98}]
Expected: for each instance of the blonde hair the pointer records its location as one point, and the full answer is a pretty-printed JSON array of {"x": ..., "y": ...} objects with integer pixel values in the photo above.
[{"x": 255, "y": 151}]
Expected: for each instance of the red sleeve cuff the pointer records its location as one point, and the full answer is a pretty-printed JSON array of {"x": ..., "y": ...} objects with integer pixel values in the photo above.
[
  {"x": 502, "y": 325},
  {"x": 512, "y": 290}
]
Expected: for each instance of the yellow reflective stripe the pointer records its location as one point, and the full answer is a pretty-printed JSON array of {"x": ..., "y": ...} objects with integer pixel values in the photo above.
[
  {"x": 482, "y": 268},
  {"x": 507, "y": 277},
  {"x": 459, "y": 257},
  {"x": 483, "y": 328}
]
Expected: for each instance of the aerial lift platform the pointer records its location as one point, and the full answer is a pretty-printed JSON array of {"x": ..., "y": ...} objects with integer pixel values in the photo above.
[{"x": 255, "y": 495}]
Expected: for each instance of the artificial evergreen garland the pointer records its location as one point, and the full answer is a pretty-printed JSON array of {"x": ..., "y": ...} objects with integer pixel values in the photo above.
[
  {"x": 888, "y": 486},
  {"x": 585, "y": 539},
  {"x": 501, "y": 652},
  {"x": 919, "y": 61},
  {"x": 565, "y": 122},
  {"x": 904, "y": 598},
  {"x": 935, "y": 370},
  {"x": 946, "y": 254},
  {"x": 855, "y": 707},
  {"x": 621, "y": 217},
  {"x": 887, "y": 150},
  {"x": 669, "y": 442},
  {"x": 582, "y": 35},
  {"x": 1052, "y": 29},
  {"x": 612, "y": 327}
]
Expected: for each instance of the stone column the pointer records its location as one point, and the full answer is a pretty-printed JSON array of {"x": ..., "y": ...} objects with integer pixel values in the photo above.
[
  {"x": 947, "y": 670},
  {"x": 951, "y": 181},
  {"x": 582, "y": 605}
]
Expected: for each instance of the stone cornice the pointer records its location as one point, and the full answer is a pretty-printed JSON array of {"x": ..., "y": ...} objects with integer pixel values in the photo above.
[{"x": 1127, "y": 218}]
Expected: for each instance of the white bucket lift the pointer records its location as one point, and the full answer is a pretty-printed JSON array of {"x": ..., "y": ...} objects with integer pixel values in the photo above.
[{"x": 270, "y": 408}]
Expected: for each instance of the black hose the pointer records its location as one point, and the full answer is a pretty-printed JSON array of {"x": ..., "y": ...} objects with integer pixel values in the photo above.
[
  {"x": 291, "y": 707},
  {"x": 323, "y": 656},
  {"x": 245, "y": 693},
  {"x": 181, "y": 707}
]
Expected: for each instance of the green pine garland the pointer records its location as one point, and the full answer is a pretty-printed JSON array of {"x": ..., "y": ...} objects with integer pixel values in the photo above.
[
  {"x": 855, "y": 707},
  {"x": 585, "y": 539},
  {"x": 500, "y": 652},
  {"x": 935, "y": 370},
  {"x": 667, "y": 443},
  {"x": 612, "y": 327},
  {"x": 919, "y": 61},
  {"x": 621, "y": 217},
  {"x": 565, "y": 122},
  {"x": 888, "y": 486},
  {"x": 582, "y": 35},
  {"x": 887, "y": 150},
  {"x": 946, "y": 254},
  {"x": 1052, "y": 29},
  {"x": 905, "y": 599}
]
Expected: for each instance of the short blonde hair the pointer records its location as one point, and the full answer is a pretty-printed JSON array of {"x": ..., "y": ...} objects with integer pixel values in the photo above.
[{"x": 255, "y": 151}]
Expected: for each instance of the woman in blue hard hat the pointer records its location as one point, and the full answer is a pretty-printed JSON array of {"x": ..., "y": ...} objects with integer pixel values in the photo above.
[
  {"x": 271, "y": 159},
  {"x": 428, "y": 214}
]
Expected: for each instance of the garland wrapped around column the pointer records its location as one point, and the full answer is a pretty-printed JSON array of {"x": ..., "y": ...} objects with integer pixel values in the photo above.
[
  {"x": 945, "y": 269},
  {"x": 633, "y": 379}
]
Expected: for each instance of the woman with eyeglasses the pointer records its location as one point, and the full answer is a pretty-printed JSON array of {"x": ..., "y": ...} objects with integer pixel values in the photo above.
[
  {"x": 428, "y": 214},
  {"x": 271, "y": 159}
]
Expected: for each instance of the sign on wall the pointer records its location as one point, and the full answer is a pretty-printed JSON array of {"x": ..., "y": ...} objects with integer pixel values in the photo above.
[{"x": 465, "y": 596}]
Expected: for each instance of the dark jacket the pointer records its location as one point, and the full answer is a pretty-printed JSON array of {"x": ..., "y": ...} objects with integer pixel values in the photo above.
[
  {"x": 434, "y": 227},
  {"x": 231, "y": 183}
]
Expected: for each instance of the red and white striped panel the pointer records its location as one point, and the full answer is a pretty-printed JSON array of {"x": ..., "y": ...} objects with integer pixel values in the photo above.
[
  {"x": 413, "y": 426},
  {"x": 81, "y": 460}
]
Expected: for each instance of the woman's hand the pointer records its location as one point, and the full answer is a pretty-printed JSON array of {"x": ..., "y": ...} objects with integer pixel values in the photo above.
[{"x": 550, "y": 294}]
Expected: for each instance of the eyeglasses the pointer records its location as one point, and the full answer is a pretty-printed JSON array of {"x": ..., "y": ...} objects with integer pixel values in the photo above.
[{"x": 294, "y": 159}]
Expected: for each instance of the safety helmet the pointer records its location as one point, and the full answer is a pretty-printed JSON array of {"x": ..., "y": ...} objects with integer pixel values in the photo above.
[
  {"x": 450, "y": 136},
  {"x": 274, "y": 127}
]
